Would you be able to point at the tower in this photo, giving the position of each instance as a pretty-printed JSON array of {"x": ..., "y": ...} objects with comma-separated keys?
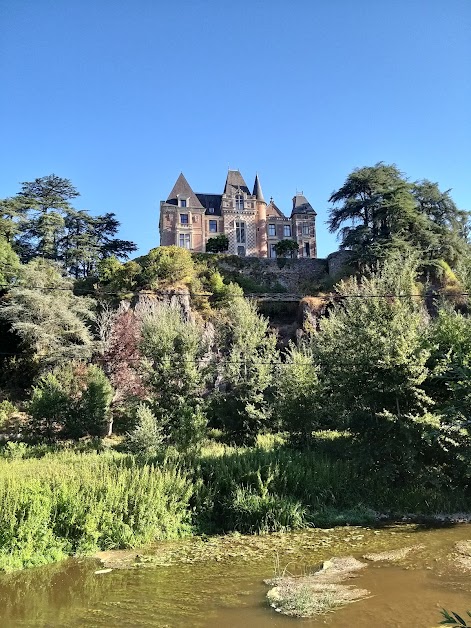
[{"x": 261, "y": 219}]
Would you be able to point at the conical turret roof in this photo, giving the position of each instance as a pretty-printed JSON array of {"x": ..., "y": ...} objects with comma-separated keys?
[{"x": 257, "y": 190}]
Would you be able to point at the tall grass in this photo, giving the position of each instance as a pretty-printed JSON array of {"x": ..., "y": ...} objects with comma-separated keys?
[
  {"x": 77, "y": 503},
  {"x": 65, "y": 502}
]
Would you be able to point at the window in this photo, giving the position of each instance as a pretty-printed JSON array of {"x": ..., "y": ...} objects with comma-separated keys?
[
  {"x": 183, "y": 219},
  {"x": 183, "y": 202},
  {"x": 307, "y": 250},
  {"x": 241, "y": 251},
  {"x": 272, "y": 230},
  {"x": 213, "y": 226},
  {"x": 272, "y": 250},
  {"x": 239, "y": 202},
  {"x": 184, "y": 240},
  {"x": 305, "y": 229},
  {"x": 211, "y": 210},
  {"x": 240, "y": 232},
  {"x": 286, "y": 231}
]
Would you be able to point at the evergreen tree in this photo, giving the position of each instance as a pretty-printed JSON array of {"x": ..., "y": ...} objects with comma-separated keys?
[
  {"x": 42, "y": 310},
  {"x": 378, "y": 211},
  {"x": 245, "y": 369},
  {"x": 175, "y": 349}
]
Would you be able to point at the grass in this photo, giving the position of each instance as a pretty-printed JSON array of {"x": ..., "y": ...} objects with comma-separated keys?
[
  {"x": 55, "y": 502},
  {"x": 67, "y": 503}
]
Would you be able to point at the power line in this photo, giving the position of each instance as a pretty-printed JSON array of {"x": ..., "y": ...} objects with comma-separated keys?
[{"x": 251, "y": 295}]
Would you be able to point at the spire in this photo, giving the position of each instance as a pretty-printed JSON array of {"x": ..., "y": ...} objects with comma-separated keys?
[
  {"x": 257, "y": 190},
  {"x": 182, "y": 188}
]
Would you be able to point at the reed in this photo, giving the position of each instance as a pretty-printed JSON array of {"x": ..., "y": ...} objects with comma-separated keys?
[{"x": 77, "y": 503}]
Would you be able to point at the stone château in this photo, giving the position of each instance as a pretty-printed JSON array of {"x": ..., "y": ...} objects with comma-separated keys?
[{"x": 252, "y": 226}]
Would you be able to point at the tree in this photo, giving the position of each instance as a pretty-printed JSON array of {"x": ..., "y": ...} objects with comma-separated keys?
[
  {"x": 379, "y": 205},
  {"x": 299, "y": 397},
  {"x": 166, "y": 265},
  {"x": 47, "y": 201},
  {"x": 244, "y": 372},
  {"x": 372, "y": 355},
  {"x": 286, "y": 248},
  {"x": 41, "y": 222},
  {"x": 218, "y": 244},
  {"x": 70, "y": 402},
  {"x": 175, "y": 370},
  {"x": 9, "y": 264},
  {"x": 378, "y": 211},
  {"x": 42, "y": 310},
  {"x": 448, "y": 225},
  {"x": 12, "y": 216},
  {"x": 88, "y": 240}
]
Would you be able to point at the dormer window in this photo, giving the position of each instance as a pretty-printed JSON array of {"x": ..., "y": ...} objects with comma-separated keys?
[
  {"x": 211, "y": 210},
  {"x": 183, "y": 202},
  {"x": 239, "y": 202}
]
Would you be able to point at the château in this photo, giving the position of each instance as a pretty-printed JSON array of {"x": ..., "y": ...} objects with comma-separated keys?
[{"x": 252, "y": 226}]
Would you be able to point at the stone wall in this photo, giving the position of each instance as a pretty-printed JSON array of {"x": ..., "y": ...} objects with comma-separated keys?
[{"x": 298, "y": 276}]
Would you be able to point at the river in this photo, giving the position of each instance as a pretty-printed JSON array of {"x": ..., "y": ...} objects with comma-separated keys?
[{"x": 218, "y": 582}]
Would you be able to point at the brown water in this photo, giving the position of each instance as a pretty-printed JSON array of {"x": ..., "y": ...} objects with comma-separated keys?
[{"x": 224, "y": 587}]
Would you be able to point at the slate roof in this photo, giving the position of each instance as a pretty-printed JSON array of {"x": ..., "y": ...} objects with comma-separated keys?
[
  {"x": 302, "y": 206},
  {"x": 257, "y": 190},
  {"x": 235, "y": 183},
  {"x": 183, "y": 188},
  {"x": 210, "y": 200}
]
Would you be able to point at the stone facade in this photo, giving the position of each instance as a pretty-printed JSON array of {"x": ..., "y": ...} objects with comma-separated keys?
[{"x": 253, "y": 227}]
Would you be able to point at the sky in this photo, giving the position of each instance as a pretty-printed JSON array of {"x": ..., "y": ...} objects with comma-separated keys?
[{"x": 120, "y": 97}]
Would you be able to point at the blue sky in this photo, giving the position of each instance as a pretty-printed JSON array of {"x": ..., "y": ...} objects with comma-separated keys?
[{"x": 121, "y": 96}]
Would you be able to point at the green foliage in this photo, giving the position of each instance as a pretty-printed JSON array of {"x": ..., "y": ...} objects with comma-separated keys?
[
  {"x": 175, "y": 370},
  {"x": 147, "y": 437},
  {"x": 52, "y": 323},
  {"x": 245, "y": 374},
  {"x": 71, "y": 402},
  {"x": 9, "y": 264},
  {"x": 7, "y": 410},
  {"x": 81, "y": 503},
  {"x": 377, "y": 210},
  {"x": 218, "y": 244},
  {"x": 299, "y": 407},
  {"x": 286, "y": 248},
  {"x": 119, "y": 277},
  {"x": 166, "y": 265},
  {"x": 223, "y": 294},
  {"x": 453, "y": 619}
]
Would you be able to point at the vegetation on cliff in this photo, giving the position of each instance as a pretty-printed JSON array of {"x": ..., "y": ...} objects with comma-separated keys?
[{"x": 366, "y": 409}]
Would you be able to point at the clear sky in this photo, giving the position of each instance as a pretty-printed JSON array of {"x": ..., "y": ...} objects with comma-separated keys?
[{"x": 119, "y": 96}]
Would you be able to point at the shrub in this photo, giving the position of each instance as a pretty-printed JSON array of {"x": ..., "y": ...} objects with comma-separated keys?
[
  {"x": 166, "y": 265},
  {"x": 71, "y": 402},
  {"x": 7, "y": 410},
  {"x": 148, "y": 435}
]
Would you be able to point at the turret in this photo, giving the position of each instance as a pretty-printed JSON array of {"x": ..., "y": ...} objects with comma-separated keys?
[{"x": 261, "y": 207}]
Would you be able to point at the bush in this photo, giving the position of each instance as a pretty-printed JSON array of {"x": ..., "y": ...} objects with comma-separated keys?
[
  {"x": 166, "y": 265},
  {"x": 71, "y": 402},
  {"x": 7, "y": 410},
  {"x": 82, "y": 503},
  {"x": 148, "y": 435}
]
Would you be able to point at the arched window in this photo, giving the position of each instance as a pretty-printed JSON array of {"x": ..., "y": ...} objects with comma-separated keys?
[{"x": 239, "y": 202}]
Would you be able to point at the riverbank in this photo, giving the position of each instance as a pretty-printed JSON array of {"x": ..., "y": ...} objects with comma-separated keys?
[{"x": 58, "y": 503}]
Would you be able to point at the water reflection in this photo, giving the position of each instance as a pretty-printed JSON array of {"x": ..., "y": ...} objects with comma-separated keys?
[{"x": 231, "y": 592}]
